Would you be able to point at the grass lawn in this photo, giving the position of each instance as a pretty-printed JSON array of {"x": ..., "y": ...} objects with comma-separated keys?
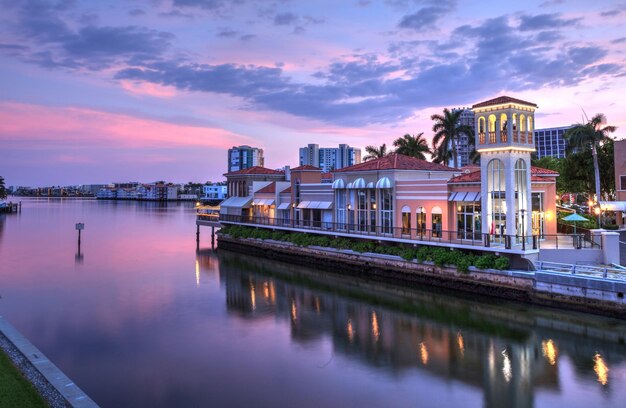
[{"x": 15, "y": 390}]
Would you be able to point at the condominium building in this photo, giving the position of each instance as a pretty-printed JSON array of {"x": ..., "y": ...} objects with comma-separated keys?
[
  {"x": 550, "y": 142},
  {"x": 329, "y": 158},
  {"x": 463, "y": 146},
  {"x": 244, "y": 157}
]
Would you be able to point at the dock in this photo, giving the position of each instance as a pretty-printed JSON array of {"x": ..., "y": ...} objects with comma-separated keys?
[
  {"x": 207, "y": 216},
  {"x": 9, "y": 208}
]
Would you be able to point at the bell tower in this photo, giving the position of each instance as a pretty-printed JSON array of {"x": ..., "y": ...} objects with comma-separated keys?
[{"x": 504, "y": 138}]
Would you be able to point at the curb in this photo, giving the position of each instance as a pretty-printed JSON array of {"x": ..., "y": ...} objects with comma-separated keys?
[{"x": 70, "y": 392}]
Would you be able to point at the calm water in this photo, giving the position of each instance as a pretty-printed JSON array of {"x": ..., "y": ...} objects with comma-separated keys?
[{"x": 141, "y": 318}]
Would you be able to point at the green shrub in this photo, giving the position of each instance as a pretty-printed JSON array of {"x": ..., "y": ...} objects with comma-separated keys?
[
  {"x": 424, "y": 253},
  {"x": 408, "y": 254},
  {"x": 610, "y": 226},
  {"x": 485, "y": 262},
  {"x": 502, "y": 263},
  {"x": 363, "y": 246},
  {"x": 463, "y": 263}
]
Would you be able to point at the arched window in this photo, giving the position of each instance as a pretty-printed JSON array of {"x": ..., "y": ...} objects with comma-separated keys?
[
  {"x": 482, "y": 128},
  {"x": 421, "y": 220},
  {"x": 386, "y": 210},
  {"x": 530, "y": 129},
  {"x": 496, "y": 199},
  {"x": 521, "y": 192},
  {"x": 437, "y": 221},
  {"x": 406, "y": 220},
  {"x": 492, "y": 128},
  {"x": 504, "y": 127}
]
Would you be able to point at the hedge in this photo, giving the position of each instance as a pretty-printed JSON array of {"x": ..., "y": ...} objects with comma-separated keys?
[{"x": 440, "y": 256}]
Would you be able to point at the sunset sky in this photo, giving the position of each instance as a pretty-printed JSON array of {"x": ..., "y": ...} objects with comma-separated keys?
[{"x": 145, "y": 90}]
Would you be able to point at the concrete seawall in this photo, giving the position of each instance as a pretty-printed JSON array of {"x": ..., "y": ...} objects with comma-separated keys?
[{"x": 557, "y": 290}]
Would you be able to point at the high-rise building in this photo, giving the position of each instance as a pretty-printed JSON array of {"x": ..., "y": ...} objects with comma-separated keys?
[
  {"x": 550, "y": 142},
  {"x": 243, "y": 157},
  {"x": 463, "y": 146},
  {"x": 329, "y": 158}
]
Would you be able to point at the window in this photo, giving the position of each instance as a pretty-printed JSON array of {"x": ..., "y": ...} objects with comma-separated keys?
[
  {"x": 468, "y": 220},
  {"x": 340, "y": 204},
  {"x": 622, "y": 181},
  {"x": 496, "y": 199},
  {"x": 437, "y": 220},
  {"x": 406, "y": 220},
  {"x": 521, "y": 190},
  {"x": 386, "y": 210}
]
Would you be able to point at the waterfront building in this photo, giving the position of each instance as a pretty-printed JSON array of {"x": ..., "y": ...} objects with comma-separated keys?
[
  {"x": 329, "y": 158},
  {"x": 502, "y": 203},
  {"x": 244, "y": 157},
  {"x": 215, "y": 192},
  {"x": 242, "y": 184},
  {"x": 550, "y": 142},
  {"x": 619, "y": 205}
]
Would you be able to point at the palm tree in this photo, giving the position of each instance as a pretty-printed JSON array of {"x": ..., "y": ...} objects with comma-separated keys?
[
  {"x": 414, "y": 146},
  {"x": 3, "y": 190},
  {"x": 590, "y": 135},
  {"x": 374, "y": 152},
  {"x": 448, "y": 131}
]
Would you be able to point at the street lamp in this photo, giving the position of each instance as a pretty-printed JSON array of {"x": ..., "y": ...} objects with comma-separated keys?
[
  {"x": 523, "y": 211},
  {"x": 598, "y": 211}
]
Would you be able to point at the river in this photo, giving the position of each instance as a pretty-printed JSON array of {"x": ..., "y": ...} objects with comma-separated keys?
[{"x": 141, "y": 318}]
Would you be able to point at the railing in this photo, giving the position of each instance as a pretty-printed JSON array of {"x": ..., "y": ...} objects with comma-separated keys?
[
  {"x": 606, "y": 272},
  {"x": 481, "y": 138},
  {"x": 576, "y": 241},
  {"x": 416, "y": 234}
]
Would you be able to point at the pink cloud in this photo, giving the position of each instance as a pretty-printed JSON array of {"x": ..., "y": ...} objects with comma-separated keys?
[
  {"x": 148, "y": 89},
  {"x": 41, "y": 126}
]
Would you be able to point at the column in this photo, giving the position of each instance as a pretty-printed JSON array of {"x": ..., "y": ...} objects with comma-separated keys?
[{"x": 509, "y": 175}]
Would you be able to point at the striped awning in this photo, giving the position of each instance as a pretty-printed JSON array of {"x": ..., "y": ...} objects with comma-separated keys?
[
  {"x": 263, "y": 201},
  {"x": 339, "y": 183},
  {"x": 383, "y": 182},
  {"x": 283, "y": 206},
  {"x": 358, "y": 183},
  {"x": 236, "y": 202},
  {"x": 464, "y": 196},
  {"x": 316, "y": 205}
]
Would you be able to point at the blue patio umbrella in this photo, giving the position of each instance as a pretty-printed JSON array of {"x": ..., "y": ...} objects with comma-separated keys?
[{"x": 574, "y": 218}]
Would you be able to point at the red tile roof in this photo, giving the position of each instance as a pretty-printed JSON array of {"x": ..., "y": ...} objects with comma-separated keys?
[
  {"x": 502, "y": 99},
  {"x": 255, "y": 170},
  {"x": 395, "y": 161},
  {"x": 306, "y": 167},
  {"x": 541, "y": 170},
  {"x": 270, "y": 188},
  {"x": 474, "y": 176}
]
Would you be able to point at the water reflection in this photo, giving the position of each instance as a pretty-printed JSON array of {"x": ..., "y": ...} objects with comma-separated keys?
[{"x": 510, "y": 355}]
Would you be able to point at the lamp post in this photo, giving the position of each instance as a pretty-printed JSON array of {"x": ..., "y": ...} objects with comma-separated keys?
[
  {"x": 523, "y": 212},
  {"x": 598, "y": 211}
]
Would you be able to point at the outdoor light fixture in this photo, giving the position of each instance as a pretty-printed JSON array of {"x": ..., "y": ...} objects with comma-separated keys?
[
  {"x": 349, "y": 207},
  {"x": 597, "y": 210},
  {"x": 549, "y": 215},
  {"x": 374, "y": 206}
]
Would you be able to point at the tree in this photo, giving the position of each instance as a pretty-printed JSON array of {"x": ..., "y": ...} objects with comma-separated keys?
[
  {"x": 590, "y": 136},
  {"x": 374, "y": 152},
  {"x": 448, "y": 131},
  {"x": 563, "y": 184},
  {"x": 577, "y": 174},
  {"x": 414, "y": 146},
  {"x": 3, "y": 190}
]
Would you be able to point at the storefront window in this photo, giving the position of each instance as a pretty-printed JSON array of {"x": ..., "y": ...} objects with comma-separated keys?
[
  {"x": 468, "y": 220},
  {"x": 386, "y": 211},
  {"x": 406, "y": 220},
  {"x": 437, "y": 220}
]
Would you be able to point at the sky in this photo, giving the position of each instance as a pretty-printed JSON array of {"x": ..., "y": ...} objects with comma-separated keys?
[{"x": 145, "y": 90}]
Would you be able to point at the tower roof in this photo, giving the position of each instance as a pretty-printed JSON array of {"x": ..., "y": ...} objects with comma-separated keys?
[
  {"x": 395, "y": 161},
  {"x": 502, "y": 100}
]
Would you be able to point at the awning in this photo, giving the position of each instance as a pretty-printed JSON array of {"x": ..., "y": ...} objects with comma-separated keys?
[
  {"x": 384, "y": 182},
  {"x": 358, "y": 183},
  {"x": 464, "y": 196},
  {"x": 283, "y": 206},
  {"x": 263, "y": 201},
  {"x": 339, "y": 183},
  {"x": 613, "y": 205},
  {"x": 316, "y": 205},
  {"x": 236, "y": 202}
]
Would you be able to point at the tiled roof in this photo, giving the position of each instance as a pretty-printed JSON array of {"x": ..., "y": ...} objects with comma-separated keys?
[
  {"x": 270, "y": 188},
  {"x": 502, "y": 99},
  {"x": 255, "y": 170},
  {"x": 541, "y": 170},
  {"x": 474, "y": 176},
  {"x": 306, "y": 167},
  {"x": 326, "y": 176},
  {"x": 396, "y": 161}
]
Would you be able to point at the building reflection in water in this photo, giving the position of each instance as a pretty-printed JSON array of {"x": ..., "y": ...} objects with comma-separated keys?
[
  {"x": 509, "y": 359},
  {"x": 207, "y": 265}
]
